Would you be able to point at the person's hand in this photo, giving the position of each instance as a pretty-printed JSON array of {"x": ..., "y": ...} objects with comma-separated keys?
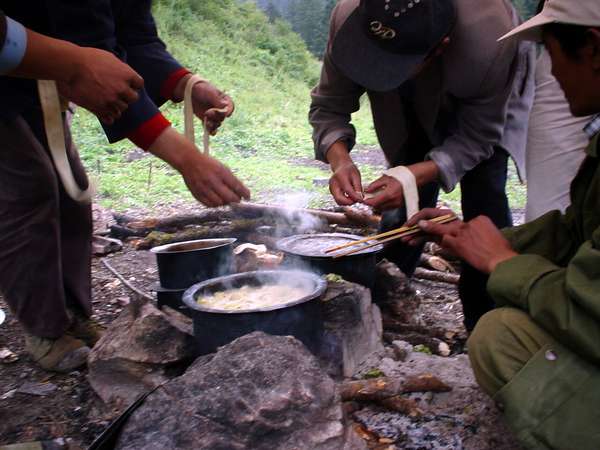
[
  {"x": 345, "y": 185},
  {"x": 211, "y": 183},
  {"x": 478, "y": 242},
  {"x": 211, "y": 105},
  {"x": 387, "y": 194},
  {"x": 428, "y": 214},
  {"x": 101, "y": 83}
]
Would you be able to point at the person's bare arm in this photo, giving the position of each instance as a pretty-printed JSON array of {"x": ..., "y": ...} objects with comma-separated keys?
[{"x": 209, "y": 181}]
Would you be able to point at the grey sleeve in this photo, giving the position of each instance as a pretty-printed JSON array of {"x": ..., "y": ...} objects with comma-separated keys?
[
  {"x": 478, "y": 124},
  {"x": 333, "y": 101},
  {"x": 480, "y": 94}
]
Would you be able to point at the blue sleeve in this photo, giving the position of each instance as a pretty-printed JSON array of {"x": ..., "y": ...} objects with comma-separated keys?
[
  {"x": 146, "y": 53},
  {"x": 12, "y": 46}
]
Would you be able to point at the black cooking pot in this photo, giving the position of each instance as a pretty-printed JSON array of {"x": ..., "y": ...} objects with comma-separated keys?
[
  {"x": 307, "y": 251},
  {"x": 300, "y": 318},
  {"x": 173, "y": 298},
  {"x": 184, "y": 263}
]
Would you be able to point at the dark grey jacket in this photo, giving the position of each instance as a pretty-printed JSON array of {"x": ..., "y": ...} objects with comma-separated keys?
[{"x": 461, "y": 100}]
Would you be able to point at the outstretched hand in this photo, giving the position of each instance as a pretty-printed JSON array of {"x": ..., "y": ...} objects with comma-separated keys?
[{"x": 478, "y": 242}]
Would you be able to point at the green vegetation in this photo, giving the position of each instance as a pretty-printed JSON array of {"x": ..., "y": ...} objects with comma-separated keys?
[{"x": 269, "y": 72}]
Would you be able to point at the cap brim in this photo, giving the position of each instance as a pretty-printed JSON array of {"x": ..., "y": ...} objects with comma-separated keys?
[
  {"x": 530, "y": 30},
  {"x": 367, "y": 64}
]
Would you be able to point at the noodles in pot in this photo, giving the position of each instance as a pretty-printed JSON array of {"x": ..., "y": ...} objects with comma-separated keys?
[{"x": 253, "y": 297}]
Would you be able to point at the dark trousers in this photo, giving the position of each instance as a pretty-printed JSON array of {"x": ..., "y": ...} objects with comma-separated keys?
[
  {"x": 483, "y": 192},
  {"x": 45, "y": 236}
]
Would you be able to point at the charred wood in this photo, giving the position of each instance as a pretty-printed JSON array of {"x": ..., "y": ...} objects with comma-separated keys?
[
  {"x": 437, "y": 346},
  {"x": 431, "y": 275},
  {"x": 377, "y": 389}
]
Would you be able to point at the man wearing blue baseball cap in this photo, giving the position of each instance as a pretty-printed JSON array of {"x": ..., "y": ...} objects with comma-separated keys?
[{"x": 538, "y": 353}]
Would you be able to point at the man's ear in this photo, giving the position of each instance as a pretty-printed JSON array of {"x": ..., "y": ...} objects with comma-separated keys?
[{"x": 593, "y": 50}]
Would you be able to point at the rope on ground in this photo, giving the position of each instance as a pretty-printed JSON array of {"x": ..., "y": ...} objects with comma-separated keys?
[{"x": 126, "y": 283}]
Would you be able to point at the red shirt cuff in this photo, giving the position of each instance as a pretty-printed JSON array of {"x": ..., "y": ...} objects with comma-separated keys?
[
  {"x": 169, "y": 85},
  {"x": 145, "y": 135}
]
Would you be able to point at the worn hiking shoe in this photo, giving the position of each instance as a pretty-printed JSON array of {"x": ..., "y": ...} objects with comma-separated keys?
[
  {"x": 64, "y": 354},
  {"x": 86, "y": 329}
]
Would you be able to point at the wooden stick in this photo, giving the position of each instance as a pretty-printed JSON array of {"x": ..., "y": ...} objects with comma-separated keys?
[
  {"x": 409, "y": 232},
  {"x": 440, "y": 219}
]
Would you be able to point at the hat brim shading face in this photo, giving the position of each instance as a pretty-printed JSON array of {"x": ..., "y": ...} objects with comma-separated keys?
[
  {"x": 360, "y": 58},
  {"x": 530, "y": 30}
]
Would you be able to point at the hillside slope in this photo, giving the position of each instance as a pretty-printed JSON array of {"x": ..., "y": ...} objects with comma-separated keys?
[{"x": 267, "y": 70}]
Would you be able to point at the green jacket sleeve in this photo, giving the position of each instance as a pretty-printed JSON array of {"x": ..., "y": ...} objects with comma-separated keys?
[
  {"x": 563, "y": 300},
  {"x": 550, "y": 236}
]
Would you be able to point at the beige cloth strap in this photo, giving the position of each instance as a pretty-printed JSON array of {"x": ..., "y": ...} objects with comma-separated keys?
[
  {"x": 409, "y": 186},
  {"x": 188, "y": 114},
  {"x": 55, "y": 134}
]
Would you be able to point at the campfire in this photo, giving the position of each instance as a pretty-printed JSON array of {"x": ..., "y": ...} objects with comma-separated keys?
[{"x": 353, "y": 316}]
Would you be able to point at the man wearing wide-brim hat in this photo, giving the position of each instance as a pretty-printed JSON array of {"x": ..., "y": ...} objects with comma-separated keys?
[
  {"x": 442, "y": 91},
  {"x": 538, "y": 354}
]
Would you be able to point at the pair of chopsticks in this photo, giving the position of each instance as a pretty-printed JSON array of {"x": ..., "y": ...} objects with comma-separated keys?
[{"x": 386, "y": 237}]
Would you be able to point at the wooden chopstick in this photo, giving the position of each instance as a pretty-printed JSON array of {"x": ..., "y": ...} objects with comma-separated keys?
[
  {"x": 409, "y": 232},
  {"x": 439, "y": 219}
]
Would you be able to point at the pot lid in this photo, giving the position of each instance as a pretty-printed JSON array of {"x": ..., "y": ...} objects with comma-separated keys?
[{"x": 315, "y": 245}]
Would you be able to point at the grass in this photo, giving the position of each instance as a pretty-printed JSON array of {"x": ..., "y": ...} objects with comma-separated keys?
[{"x": 269, "y": 73}]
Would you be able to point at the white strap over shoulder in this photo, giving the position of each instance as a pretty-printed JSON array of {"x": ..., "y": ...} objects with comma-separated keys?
[
  {"x": 55, "y": 134},
  {"x": 409, "y": 186}
]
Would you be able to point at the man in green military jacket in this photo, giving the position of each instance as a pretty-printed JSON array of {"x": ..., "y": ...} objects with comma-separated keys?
[{"x": 538, "y": 353}]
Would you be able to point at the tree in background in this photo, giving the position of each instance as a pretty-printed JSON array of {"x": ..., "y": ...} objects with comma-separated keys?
[
  {"x": 272, "y": 12},
  {"x": 310, "y": 18}
]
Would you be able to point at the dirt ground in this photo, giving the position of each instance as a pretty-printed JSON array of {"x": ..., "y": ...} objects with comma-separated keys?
[
  {"x": 66, "y": 405},
  {"x": 38, "y": 406}
]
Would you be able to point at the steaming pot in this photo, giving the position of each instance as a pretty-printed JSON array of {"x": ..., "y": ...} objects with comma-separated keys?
[
  {"x": 300, "y": 318},
  {"x": 307, "y": 251},
  {"x": 184, "y": 263}
]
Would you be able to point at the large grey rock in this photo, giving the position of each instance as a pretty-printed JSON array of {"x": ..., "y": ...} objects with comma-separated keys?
[
  {"x": 353, "y": 328},
  {"x": 142, "y": 348},
  {"x": 259, "y": 392}
]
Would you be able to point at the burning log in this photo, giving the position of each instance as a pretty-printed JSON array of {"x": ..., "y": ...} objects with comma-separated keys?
[
  {"x": 235, "y": 228},
  {"x": 173, "y": 222},
  {"x": 396, "y": 326},
  {"x": 402, "y": 405},
  {"x": 431, "y": 275},
  {"x": 436, "y": 346},
  {"x": 256, "y": 210},
  {"x": 378, "y": 389},
  {"x": 362, "y": 217},
  {"x": 436, "y": 263},
  {"x": 434, "y": 249}
]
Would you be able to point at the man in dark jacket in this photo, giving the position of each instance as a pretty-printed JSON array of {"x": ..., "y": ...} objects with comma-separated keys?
[{"x": 44, "y": 234}]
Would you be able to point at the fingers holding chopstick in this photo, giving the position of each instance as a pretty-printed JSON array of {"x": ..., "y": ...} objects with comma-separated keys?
[{"x": 430, "y": 228}]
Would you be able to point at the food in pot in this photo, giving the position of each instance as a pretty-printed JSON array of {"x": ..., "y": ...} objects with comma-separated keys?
[
  {"x": 253, "y": 297},
  {"x": 317, "y": 245}
]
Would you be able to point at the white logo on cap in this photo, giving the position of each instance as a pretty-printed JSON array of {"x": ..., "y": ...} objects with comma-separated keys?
[{"x": 381, "y": 31}]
